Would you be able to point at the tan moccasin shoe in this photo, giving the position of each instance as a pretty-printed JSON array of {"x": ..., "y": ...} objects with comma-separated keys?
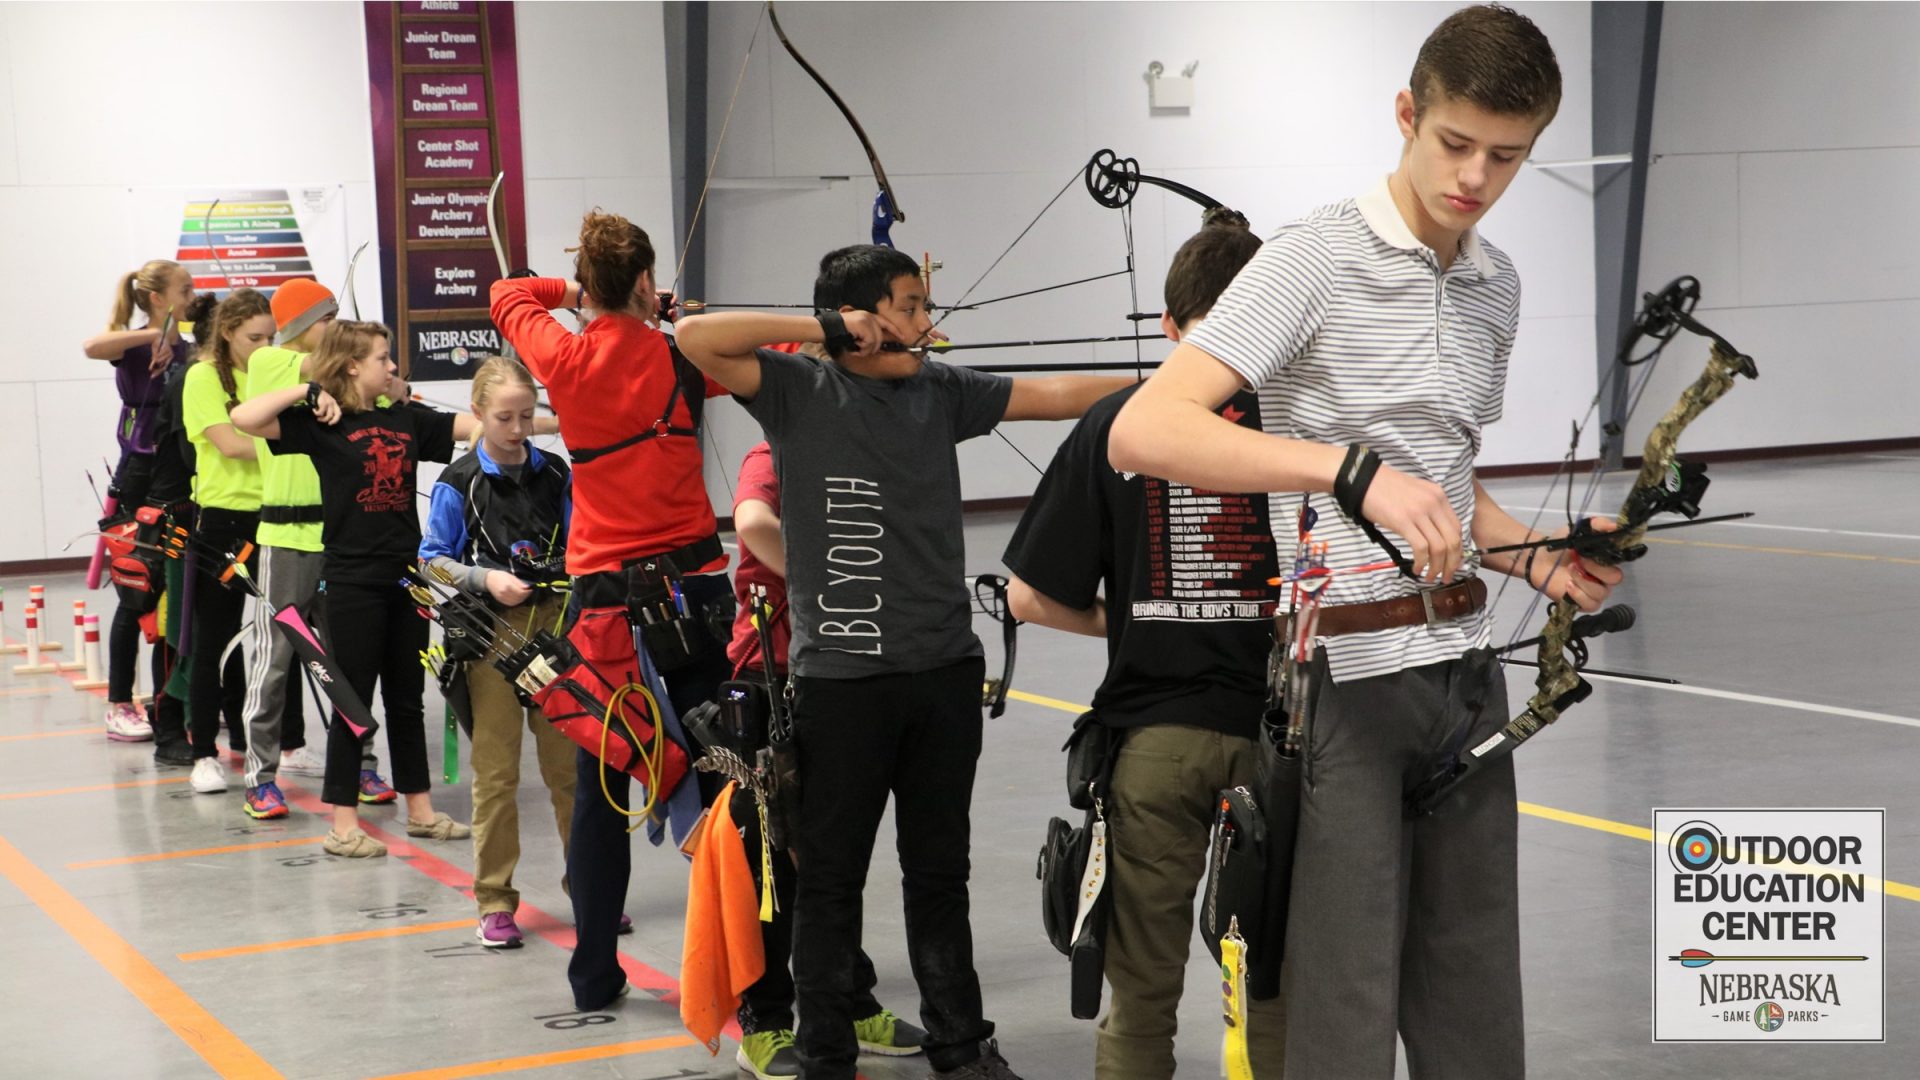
[
  {"x": 355, "y": 845},
  {"x": 441, "y": 827}
]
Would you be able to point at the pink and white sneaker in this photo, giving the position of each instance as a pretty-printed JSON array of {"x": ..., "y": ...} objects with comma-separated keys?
[
  {"x": 498, "y": 931},
  {"x": 126, "y": 724}
]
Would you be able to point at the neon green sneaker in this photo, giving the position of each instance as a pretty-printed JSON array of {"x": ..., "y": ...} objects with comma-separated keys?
[
  {"x": 769, "y": 1055},
  {"x": 888, "y": 1036}
]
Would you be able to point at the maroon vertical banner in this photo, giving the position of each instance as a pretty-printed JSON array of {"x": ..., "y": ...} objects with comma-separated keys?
[{"x": 446, "y": 121}]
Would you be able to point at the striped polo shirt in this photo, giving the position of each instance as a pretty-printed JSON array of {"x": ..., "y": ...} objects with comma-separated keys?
[{"x": 1350, "y": 332}]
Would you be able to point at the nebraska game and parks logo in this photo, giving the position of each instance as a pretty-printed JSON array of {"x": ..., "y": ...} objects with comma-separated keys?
[{"x": 1768, "y": 925}]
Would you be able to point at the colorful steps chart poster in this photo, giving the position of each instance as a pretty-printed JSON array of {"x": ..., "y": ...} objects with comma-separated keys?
[
  {"x": 266, "y": 232},
  {"x": 243, "y": 239},
  {"x": 446, "y": 121}
]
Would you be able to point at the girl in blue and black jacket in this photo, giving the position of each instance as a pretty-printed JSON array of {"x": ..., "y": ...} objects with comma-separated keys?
[{"x": 498, "y": 528}]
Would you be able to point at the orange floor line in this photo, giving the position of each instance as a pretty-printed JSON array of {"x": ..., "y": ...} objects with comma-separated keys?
[
  {"x": 92, "y": 787},
  {"x": 541, "y": 1061},
  {"x": 162, "y": 856},
  {"x": 330, "y": 939},
  {"x": 188, "y": 1019},
  {"x": 30, "y": 691},
  {"x": 53, "y": 734}
]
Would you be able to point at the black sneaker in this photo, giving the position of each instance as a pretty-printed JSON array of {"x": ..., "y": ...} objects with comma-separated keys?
[
  {"x": 988, "y": 1066},
  {"x": 173, "y": 753}
]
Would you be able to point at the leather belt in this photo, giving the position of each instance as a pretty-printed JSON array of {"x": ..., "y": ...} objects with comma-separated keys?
[{"x": 1428, "y": 607}]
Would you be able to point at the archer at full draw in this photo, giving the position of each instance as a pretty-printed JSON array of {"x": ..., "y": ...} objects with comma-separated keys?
[{"x": 1769, "y": 926}]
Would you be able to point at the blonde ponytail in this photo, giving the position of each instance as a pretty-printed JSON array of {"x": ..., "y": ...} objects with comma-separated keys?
[{"x": 150, "y": 279}]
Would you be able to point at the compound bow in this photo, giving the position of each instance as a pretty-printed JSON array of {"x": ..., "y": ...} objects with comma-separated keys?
[{"x": 1663, "y": 485}]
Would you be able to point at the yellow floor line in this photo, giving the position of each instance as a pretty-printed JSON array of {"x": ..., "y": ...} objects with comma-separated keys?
[
  {"x": 1897, "y": 560},
  {"x": 1548, "y": 813},
  {"x": 197, "y": 1027}
]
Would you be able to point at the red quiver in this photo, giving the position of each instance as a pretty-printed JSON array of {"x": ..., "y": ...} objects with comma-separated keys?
[
  {"x": 573, "y": 679},
  {"x": 134, "y": 560}
]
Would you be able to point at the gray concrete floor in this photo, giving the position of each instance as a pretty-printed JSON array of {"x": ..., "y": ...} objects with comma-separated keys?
[{"x": 101, "y": 975}]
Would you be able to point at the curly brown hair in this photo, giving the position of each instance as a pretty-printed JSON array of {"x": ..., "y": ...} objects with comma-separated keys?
[{"x": 612, "y": 254}]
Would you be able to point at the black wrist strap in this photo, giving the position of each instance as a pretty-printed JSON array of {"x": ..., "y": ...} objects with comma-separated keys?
[
  {"x": 835, "y": 328},
  {"x": 1350, "y": 494},
  {"x": 313, "y": 395}
]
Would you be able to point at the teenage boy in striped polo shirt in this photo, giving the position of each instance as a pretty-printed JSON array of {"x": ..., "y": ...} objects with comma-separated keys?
[{"x": 1377, "y": 331}]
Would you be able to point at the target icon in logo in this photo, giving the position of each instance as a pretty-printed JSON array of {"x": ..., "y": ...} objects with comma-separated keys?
[{"x": 1694, "y": 847}]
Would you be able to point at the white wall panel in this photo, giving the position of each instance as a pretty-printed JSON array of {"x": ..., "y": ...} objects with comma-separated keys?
[
  {"x": 87, "y": 111},
  {"x": 66, "y": 249},
  {"x": 1828, "y": 373},
  {"x": 1789, "y": 158},
  {"x": 1693, "y": 226},
  {"x": 1549, "y": 386},
  {"x": 9, "y": 151},
  {"x": 593, "y": 89},
  {"x": 1789, "y": 76},
  {"x": 70, "y": 419},
  {"x": 1835, "y": 225},
  {"x": 23, "y": 525}
]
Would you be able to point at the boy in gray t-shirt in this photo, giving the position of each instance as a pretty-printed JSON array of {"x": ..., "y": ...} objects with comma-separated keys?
[{"x": 887, "y": 670}]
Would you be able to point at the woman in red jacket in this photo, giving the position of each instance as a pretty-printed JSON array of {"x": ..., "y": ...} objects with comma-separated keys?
[{"x": 630, "y": 411}]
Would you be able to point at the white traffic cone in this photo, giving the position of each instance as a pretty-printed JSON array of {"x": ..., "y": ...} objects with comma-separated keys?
[
  {"x": 79, "y": 654},
  {"x": 34, "y": 665},
  {"x": 96, "y": 674},
  {"x": 37, "y": 599}
]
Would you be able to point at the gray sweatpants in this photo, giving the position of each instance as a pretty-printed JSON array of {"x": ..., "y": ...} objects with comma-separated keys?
[
  {"x": 1396, "y": 925},
  {"x": 288, "y": 577}
]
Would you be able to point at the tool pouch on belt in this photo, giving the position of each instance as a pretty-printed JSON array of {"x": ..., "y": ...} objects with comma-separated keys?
[
  {"x": 1238, "y": 865},
  {"x": 136, "y": 570},
  {"x": 676, "y": 631},
  {"x": 575, "y": 680},
  {"x": 1074, "y": 902},
  {"x": 1073, "y": 866},
  {"x": 735, "y": 721}
]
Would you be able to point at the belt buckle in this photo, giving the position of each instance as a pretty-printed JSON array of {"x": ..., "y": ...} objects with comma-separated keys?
[{"x": 1426, "y": 602}]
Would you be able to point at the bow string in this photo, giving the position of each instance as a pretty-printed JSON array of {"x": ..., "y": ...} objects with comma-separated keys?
[{"x": 1664, "y": 484}]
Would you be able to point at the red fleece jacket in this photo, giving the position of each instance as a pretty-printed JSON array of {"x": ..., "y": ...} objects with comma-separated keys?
[{"x": 609, "y": 383}]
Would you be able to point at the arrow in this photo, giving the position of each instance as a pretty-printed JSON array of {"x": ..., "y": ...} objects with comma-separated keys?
[{"x": 1699, "y": 958}]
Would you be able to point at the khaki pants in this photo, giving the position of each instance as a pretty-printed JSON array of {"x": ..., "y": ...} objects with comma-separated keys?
[
  {"x": 1166, "y": 785},
  {"x": 498, "y": 720}
]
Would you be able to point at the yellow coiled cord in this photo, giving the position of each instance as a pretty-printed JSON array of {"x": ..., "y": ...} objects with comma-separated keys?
[{"x": 654, "y": 754}]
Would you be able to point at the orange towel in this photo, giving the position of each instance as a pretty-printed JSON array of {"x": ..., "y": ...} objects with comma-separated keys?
[{"x": 722, "y": 953}]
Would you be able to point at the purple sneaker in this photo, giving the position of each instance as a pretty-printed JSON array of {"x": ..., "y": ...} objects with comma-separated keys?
[
  {"x": 626, "y": 925},
  {"x": 497, "y": 931}
]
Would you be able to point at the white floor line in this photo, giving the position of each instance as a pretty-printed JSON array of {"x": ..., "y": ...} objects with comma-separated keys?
[
  {"x": 1746, "y": 525},
  {"x": 1758, "y": 699},
  {"x": 1891, "y": 457}
]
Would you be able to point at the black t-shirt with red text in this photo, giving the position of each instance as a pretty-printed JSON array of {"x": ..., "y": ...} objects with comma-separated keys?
[
  {"x": 370, "y": 524},
  {"x": 1189, "y": 609}
]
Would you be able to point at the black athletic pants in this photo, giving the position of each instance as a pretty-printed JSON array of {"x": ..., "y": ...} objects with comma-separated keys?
[
  {"x": 131, "y": 483},
  {"x": 375, "y": 636},
  {"x": 217, "y": 612},
  {"x": 916, "y": 737},
  {"x": 600, "y": 853}
]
